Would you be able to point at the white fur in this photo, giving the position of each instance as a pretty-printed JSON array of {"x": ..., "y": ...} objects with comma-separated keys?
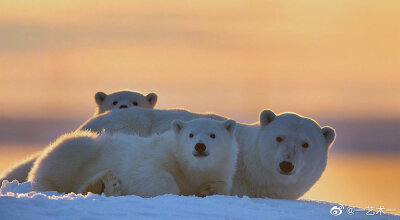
[
  {"x": 258, "y": 171},
  {"x": 123, "y": 99},
  {"x": 104, "y": 103},
  {"x": 143, "y": 122},
  {"x": 20, "y": 170},
  {"x": 259, "y": 156},
  {"x": 147, "y": 167},
  {"x": 257, "y": 174}
]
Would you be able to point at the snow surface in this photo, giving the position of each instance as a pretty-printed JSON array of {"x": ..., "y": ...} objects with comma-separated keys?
[{"x": 18, "y": 202}]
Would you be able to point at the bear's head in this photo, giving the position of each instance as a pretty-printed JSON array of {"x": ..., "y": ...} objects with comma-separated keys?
[
  {"x": 123, "y": 99},
  {"x": 292, "y": 147},
  {"x": 205, "y": 143}
]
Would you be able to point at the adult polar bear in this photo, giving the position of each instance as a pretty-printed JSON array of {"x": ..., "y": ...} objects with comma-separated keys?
[
  {"x": 282, "y": 156},
  {"x": 197, "y": 158},
  {"x": 104, "y": 102}
]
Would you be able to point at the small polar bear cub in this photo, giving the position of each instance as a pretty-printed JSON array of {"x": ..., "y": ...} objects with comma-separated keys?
[
  {"x": 196, "y": 157},
  {"x": 123, "y": 99}
]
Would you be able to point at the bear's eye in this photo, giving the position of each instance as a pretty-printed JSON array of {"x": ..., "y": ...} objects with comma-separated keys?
[
  {"x": 115, "y": 102},
  {"x": 212, "y": 136},
  {"x": 279, "y": 139},
  {"x": 305, "y": 145},
  {"x": 191, "y": 135},
  {"x": 135, "y": 103}
]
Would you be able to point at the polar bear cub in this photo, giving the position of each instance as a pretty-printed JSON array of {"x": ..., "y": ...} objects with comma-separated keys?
[
  {"x": 196, "y": 157},
  {"x": 123, "y": 99}
]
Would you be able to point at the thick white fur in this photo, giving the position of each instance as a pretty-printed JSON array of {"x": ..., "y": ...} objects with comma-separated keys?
[
  {"x": 123, "y": 99},
  {"x": 104, "y": 103},
  {"x": 257, "y": 174},
  {"x": 143, "y": 122},
  {"x": 20, "y": 170},
  {"x": 258, "y": 171},
  {"x": 132, "y": 121},
  {"x": 147, "y": 167}
]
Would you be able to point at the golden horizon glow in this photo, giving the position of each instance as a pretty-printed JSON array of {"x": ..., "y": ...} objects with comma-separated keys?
[{"x": 317, "y": 58}]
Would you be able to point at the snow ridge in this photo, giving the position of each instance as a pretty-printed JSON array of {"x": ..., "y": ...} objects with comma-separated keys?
[{"x": 17, "y": 201}]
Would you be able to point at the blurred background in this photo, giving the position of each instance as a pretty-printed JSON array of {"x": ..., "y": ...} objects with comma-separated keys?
[{"x": 335, "y": 61}]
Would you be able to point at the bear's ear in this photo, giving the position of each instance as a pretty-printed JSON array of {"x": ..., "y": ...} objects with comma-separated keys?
[
  {"x": 266, "y": 117},
  {"x": 329, "y": 134},
  {"x": 229, "y": 125},
  {"x": 152, "y": 99},
  {"x": 177, "y": 126},
  {"x": 99, "y": 98}
]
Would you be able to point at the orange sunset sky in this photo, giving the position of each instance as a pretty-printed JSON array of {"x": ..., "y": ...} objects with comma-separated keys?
[{"x": 318, "y": 58}]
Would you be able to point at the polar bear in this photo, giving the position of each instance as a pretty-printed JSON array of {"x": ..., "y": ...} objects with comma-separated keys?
[
  {"x": 281, "y": 157},
  {"x": 197, "y": 157},
  {"x": 264, "y": 169},
  {"x": 143, "y": 122},
  {"x": 117, "y": 100},
  {"x": 123, "y": 99}
]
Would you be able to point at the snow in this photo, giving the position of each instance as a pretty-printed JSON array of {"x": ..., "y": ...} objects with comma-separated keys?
[{"x": 18, "y": 202}]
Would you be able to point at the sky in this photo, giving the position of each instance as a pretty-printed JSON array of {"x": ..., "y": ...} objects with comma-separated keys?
[{"x": 322, "y": 59}]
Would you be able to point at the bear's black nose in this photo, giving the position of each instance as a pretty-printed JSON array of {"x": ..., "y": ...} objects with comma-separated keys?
[
  {"x": 200, "y": 147},
  {"x": 123, "y": 106},
  {"x": 286, "y": 167}
]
